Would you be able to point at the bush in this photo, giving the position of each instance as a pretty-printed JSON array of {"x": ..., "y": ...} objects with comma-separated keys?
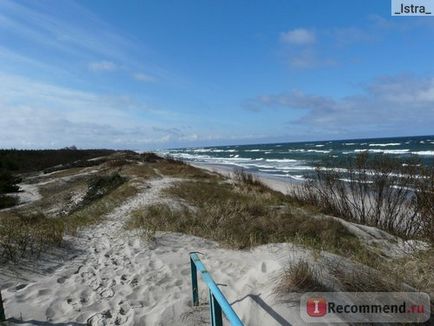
[
  {"x": 150, "y": 157},
  {"x": 101, "y": 185},
  {"x": 31, "y": 234},
  {"x": 379, "y": 191},
  {"x": 424, "y": 202},
  {"x": 8, "y": 182},
  {"x": 8, "y": 201}
]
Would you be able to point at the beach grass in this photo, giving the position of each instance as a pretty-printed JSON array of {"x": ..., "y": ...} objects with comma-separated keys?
[
  {"x": 227, "y": 213},
  {"x": 301, "y": 277}
]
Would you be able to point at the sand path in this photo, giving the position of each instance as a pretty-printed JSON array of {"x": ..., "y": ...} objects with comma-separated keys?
[{"x": 123, "y": 280}]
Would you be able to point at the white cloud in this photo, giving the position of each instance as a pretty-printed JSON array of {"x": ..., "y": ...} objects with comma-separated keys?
[
  {"x": 64, "y": 33},
  {"x": 102, "y": 66},
  {"x": 298, "y": 36},
  {"x": 36, "y": 114},
  {"x": 144, "y": 77},
  {"x": 402, "y": 104}
]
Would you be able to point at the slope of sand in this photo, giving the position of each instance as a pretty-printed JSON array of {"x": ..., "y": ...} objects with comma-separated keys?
[{"x": 120, "y": 279}]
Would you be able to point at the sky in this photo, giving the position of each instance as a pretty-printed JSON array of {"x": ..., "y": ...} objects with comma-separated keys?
[{"x": 139, "y": 74}]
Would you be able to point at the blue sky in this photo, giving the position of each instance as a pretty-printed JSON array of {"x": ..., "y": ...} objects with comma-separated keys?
[{"x": 157, "y": 74}]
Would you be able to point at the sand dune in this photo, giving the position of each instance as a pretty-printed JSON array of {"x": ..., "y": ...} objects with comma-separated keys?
[{"x": 120, "y": 279}]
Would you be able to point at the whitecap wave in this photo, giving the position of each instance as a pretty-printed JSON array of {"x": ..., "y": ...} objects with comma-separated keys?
[
  {"x": 284, "y": 160},
  {"x": 385, "y": 145},
  {"x": 424, "y": 153}
]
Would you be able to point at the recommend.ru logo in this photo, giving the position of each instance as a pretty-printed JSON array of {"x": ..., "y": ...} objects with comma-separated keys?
[{"x": 371, "y": 307}]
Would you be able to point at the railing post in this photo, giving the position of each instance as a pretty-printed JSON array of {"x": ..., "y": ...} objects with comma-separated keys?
[
  {"x": 216, "y": 312},
  {"x": 211, "y": 310},
  {"x": 2, "y": 310},
  {"x": 195, "y": 290}
]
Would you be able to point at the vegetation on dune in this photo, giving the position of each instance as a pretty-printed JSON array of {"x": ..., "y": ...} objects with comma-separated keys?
[
  {"x": 243, "y": 212},
  {"x": 14, "y": 162},
  {"x": 230, "y": 214},
  {"x": 8, "y": 184},
  {"x": 301, "y": 277},
  {"x": 95, "y": 211},
  {"x": 247, "y": 213},
  {"x": 28, "y": 234},
  {"x": 20, "y": 161},
  {"x": 8, "y": 201},
  {"x": 379, "y": 191},
  {"x": 101, "y": 185}
]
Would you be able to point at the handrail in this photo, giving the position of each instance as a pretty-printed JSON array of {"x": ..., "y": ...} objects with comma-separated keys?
[{"x": 217, "y": 300}]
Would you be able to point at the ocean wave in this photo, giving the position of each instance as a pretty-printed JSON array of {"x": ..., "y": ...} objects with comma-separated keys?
[
  {"x": 297, "y": 150},
  {"x": 261, "y": 166},
  {"x": 357, "y": 181},
  {"x": 385, "y": 145},
  {"x": 318, "y": 151},
  {"x": 284, "y": 160},
  {"x": 298, "y": 177},
  {"x": 424, "y": 153},
  {"x": 384, "y": 151},
  {"x": 253, "y": 150},
  {"x": 349, "y": 144},
  {"x": 300, "y": 167},
  {"x": 319, "y": 145},
  {"x": 202, "y": 150}
]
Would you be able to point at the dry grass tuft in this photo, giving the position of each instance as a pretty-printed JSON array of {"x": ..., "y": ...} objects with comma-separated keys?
[
  {"x": 249, "y": 182},
  {"x": 365, "y": 279},
  {"x": 170, "y": 167},
  {"x": 417, "y": 270},
  {"x": 301, "y": 277},
  {"x": 23, "y": 235},
  {"x": 94, "y": 211}
]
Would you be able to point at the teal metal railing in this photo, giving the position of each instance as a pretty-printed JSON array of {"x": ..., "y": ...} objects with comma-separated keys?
[
  {"x": 2, "y": 310},
  {"x": 217, "y": 300}
]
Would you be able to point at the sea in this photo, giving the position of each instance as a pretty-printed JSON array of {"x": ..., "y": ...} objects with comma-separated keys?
[{"x": 297, "y": 161}]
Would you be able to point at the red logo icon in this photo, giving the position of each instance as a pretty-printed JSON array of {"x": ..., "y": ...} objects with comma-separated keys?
[{"x": 316, "y": 307}]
